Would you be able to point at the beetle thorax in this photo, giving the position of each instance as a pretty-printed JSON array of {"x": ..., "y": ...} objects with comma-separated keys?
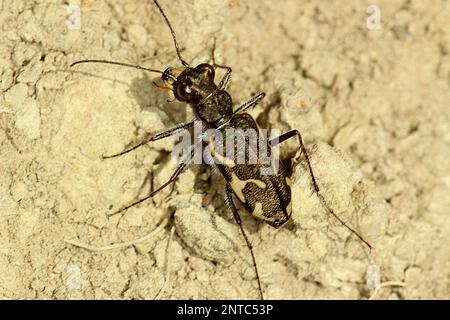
[
  {"x": 217, "y": 107},
  {"x": 196, "y": 86}
]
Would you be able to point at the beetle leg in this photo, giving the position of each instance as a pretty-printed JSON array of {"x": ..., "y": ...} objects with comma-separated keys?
[
  {"x": 289, "y": 135},
  {"x": 250, "y": 103},
  {"x": 226, "y": 78},
  {"x": 294, "y": 133},
  {"x": 232, "y": 206},
  {"x": 154, "y": 137},
  {"x": 183, "y": 164}
]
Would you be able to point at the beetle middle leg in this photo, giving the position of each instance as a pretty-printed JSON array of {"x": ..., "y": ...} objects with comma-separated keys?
[
  {"x": 154, "y": 137},
  {"x": 232, "y": 206}
]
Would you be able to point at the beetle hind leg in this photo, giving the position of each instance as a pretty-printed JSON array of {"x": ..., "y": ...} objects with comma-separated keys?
[
  {"x": 232, "y": 206},
  {"x": 290, "y": 134},
  {"x": 277, "y": 140}
]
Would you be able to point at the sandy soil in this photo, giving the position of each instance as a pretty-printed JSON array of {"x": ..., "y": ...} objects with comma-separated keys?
[{"x": 373, "y": 106}]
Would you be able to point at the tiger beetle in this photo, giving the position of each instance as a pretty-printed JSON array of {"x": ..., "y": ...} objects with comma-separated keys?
[{"x": 265, "y": 196}]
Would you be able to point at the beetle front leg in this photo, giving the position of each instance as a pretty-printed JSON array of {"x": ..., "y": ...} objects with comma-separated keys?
[
  {"x": 250, "y": 103},
  {"x": 226, "y": 78}
]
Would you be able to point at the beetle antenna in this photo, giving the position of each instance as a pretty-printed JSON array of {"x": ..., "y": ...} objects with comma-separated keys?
[
  {"x": 116, "y": 63},
  {"x": 177, "y": 48}
]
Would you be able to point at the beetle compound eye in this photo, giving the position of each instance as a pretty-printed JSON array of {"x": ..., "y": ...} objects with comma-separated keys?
[
  {"x": 184, "y": 91},
  {"x": 208, "y": 70}
]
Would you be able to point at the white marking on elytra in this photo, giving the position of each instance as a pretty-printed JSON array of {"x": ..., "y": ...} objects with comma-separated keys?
[
  {"x": 289, "y": 208},
  {"x": 289, "y": 181},
  {"x": 223, "y": 160},
  {"x": 238, "y": 185},
  {"x": 258, "y": 213}
]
